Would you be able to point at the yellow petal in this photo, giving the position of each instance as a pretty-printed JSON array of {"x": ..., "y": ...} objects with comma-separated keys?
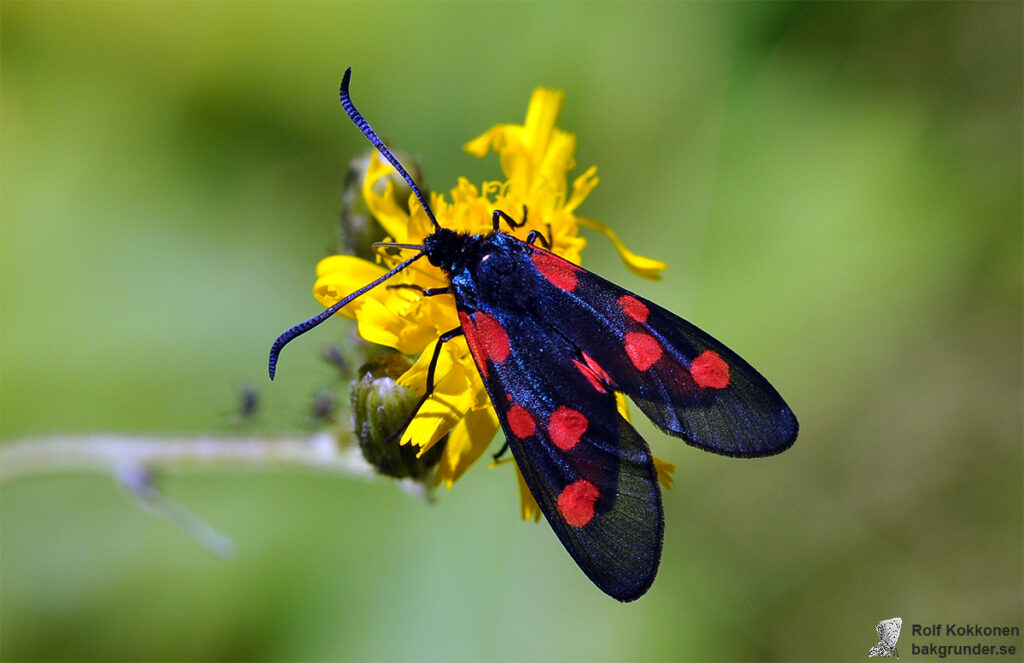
[
  {"x": 541, "y": 116},
  {"x": 438, "y": 414},
  {"x": 381, "y": 324},
  {"x": 467, "y": 442},
  {"x": 581, "y": 188},
  {"x": 340, "y": 276},
  {"x": 664, "y": 470},
  {"x": 437, "y": 313},
  {"x": 451, "y": 354},
  {"x": 529, "y": 510},
  {"x": 420, "y": 224},
  {"x": 385, "y": 208},
  {"x": 453, "y": 396},
  {"x": 523, "y": 149},
  {"x": 478, "y": 146},
  {"x": 622, "y": 405},
  {"x": 517, "y": 163},
  {"x": 646, "y": 267},
  {"x": 554, "y": 164},
  {"x": 359, "y": 271}
]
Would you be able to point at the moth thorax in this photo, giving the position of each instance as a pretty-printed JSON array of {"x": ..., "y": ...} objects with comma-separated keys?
[{"x": 500, "y": 271}]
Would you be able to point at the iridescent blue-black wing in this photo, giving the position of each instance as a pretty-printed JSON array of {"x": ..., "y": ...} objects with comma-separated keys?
[{"x": 553, "y": 344}]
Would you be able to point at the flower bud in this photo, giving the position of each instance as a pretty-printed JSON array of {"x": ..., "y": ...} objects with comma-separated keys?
[{"x": 381, "y": 409}]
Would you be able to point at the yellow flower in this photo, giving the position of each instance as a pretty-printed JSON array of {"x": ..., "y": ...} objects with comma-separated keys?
[{"x": 536, "y": 158}]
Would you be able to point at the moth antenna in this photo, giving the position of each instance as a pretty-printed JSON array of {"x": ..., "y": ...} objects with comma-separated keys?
[
  {"x": 371, "y": 135},
  {"x": 303, "y": 327}
]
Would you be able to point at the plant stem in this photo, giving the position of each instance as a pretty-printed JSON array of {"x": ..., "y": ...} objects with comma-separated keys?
[{"x": 322, "y": 452}]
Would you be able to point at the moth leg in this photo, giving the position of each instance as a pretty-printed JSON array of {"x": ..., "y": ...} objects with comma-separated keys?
[
  {"x": 534, "y": 236},
  {"x": 501, "y": 452},
  {"x": 498, "y": 215},
  {"x": 441, "y": 340}
]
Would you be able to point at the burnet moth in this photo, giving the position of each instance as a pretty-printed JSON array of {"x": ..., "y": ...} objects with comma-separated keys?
[{"x": 553, "y": 344}]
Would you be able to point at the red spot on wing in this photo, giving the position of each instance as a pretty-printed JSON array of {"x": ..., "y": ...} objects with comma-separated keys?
[
  {"x": 634, "y": 308},
  {"x": 561, "y": 273},
  {"x": 643, "y": 350},
  {"x": 493, "y": 337},
  {"x": 521, "y": 422},
  {"x": 566, "y": 427},
  {"x": 576, "y": 502},
  {"x": 710, "y": 370},
  {"x": 594, "y": 373},
  {"x": 469, "y": 331}
]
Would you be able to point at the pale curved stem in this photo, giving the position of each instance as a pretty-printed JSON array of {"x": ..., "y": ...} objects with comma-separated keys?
[{"x": 323, "y": 452}]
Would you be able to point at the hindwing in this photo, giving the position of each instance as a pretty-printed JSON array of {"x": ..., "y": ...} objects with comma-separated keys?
[{"x": 589, "y": 470}]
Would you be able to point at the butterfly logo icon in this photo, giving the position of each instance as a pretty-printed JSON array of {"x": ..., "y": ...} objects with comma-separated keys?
[{"x": 888, "y": 633}]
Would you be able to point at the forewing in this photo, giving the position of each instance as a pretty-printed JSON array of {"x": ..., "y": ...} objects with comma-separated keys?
[
  {"x": 589, "y": 470},
  {"x": 688, "y": 383}
]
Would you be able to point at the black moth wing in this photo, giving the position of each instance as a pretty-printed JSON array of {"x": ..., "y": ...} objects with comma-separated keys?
[
  {"x": 591, "y": 473},
  {"x": 691, "y": 385}
]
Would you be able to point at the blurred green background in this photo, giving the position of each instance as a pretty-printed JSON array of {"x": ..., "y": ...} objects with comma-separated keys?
[{"x": 837, "y": 189}]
